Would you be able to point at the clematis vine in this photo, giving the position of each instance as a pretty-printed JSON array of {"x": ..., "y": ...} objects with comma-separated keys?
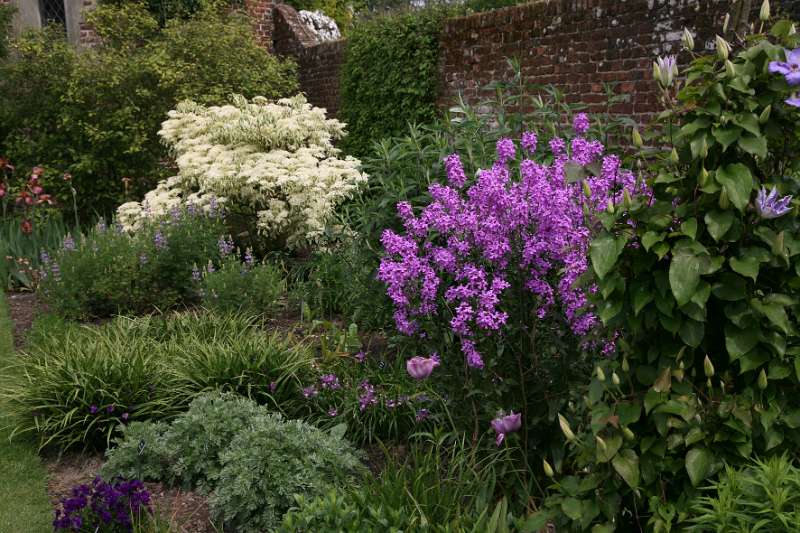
[
  {"x": 421, "y": 367},
  {"x": 769, "y": 206},
  {"x": 503, "y": 425},
  {"x": 665, "y": 70}
]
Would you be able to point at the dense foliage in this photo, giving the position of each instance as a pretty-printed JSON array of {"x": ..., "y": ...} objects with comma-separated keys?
[
  {"x": 389, "y": 76},
  {"x": 61, "y": 109},
  {"x": 246, "y": 286},
  {"x": 252, "y": 460},
  {"x": 701, "y": 278},
  {"x": 273, "y": 166},
  {"x": 108, "y": 271}
]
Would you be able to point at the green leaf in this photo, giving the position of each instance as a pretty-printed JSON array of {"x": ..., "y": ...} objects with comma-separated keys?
[
  {"x": 746, "y": 266},
  {"x": 740, "y": 341},
  {"x": 626, "y": 463},
  {"x": 775, "y": 313},
  {"x": 749, "y": 122},
  {"x": 718, "y": 223},
  {"x": 692, "y": 332},
  {"x": 689, "y": 228},
  {"x": 737, "y": 181},
  {"x": 756, "y": 146},
  {"x": 730, "y": 288},
  {"x": 684, "y": 275},
  {"x": 650, "y": 238},
  {"x": 613, "y": 445},
  {"x": 641, "y": 296},
  {"x": 726, "y": 136},
  {"x": 699, "y": 464},
  {"x": 571, "y": 508},
  {"x": 604, "y": 252}
]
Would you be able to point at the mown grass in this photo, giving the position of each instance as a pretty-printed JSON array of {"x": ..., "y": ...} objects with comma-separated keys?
[{"x": 24, "y": 507}]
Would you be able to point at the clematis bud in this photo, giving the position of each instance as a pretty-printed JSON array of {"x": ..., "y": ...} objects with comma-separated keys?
[
  {"x": 615, "y": 379},
  {"x": 724, "y": 202},
  {"x": 723, "y": 48},
  {"x": 548, "y": 470},
  {"x": 729, "y": 69},
  {"x": 764, "y": 14},
  {"x": 688, "y": 40},
  {"x": 626, "y": 199},
  {"x": 725, "y": 22},
  {"x": 708, "y": 367},
  {"x": 601, "y": 443},
  {"x": 703, "y": 176},
  {"x": 625, "y": 365},
  {"x": 628, "y": 434},
  {"x": 600, "y": 374},
  {"x": 673, "y": 156},
  {"x": 637, "y": 138},
  {"x": 587, "y": 191},
  {"x": 792, "y": 30},
  {"x": 610, "y": 206},
  {"x": 762, "y": 380},
  {"x": 709, "y": 384},
  {"x": 764, "y": 117},
  {"x": 565, "y": 429}
]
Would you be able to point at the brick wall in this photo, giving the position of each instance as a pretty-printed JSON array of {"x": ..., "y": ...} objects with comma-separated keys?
[
  {"x": 87, "y": 36},
  {"x": 576, "y": 45},
  {"x": 319, "y": 67},
  {"x": 260, "y": 12},
  {"x": 290, "y": 36}
]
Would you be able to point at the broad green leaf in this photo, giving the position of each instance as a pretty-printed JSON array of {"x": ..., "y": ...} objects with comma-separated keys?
[
  {"x": 699, "y": 464},
  {"x": 641, "y": 297},
  {"x": 775, "y": 313},
  {"x": 726, "y": 136},
  {"x": 731, "y": 287},
  {"x": 684, "y": 275},
  {"x": 626, "y": 463},
  {"x": 572, "y": 508},
  {"x": 752, "y": 360},
  {"x": 613, "y": 445},
  {"x": 737, "y": 181},
  {"x": 749, "y": 122},
  {"x": 740, "y": 341},
  {"x": 753, "y": 145},
  {"x": 718, "y": 223},
  {"x": 692, "y": 332},
  {"x": 746, "y": 266},
  {"x": 650, "y": 238},
  {"x": 604, "y": 252},
  {"x": 689, "y": 228}
]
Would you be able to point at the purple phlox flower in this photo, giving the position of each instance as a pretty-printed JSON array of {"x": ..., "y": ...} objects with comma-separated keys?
[
  {"x": 333, "y": 412},
  {"x": 69, "y": 243},
  {"x": 175, "y": 214},
  {"x": 310, "y": 391},
  {"x": 455, "y": 171},
  {"x": 330, "y": 381},
  {"x": 225, "y": 245},
  {"x": 790, "y": 69},
  {"x": 768, "y": 205},
  {"x": 503, "y": 425},
  {"x": 93, "y": 409},
  {"x": 529, "y": 141},
  {"x": 422, "y": 414},
  {"x": 159, "y": 240},
  {"x": 421, "y": 367},
  {"x": 580, "y": 123},
  {"x": 506, "y": 151}
]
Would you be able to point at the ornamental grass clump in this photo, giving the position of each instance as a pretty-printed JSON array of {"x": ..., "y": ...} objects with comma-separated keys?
[
  {"x": 491, "y": 267},
  {"x": 273, "y": 164}
]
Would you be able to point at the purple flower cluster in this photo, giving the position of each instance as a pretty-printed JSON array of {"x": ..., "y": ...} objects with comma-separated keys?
[
  {"x": 69, "y": 243},
  {"x": 159, "y": 240},
  {"x": 330, "y": 381},
  {"x": 102, "y": 506},
  {"x": 459, "y": 256},
  {"x": 225, "y": 245},
  {"x": 368, "y": 397}
]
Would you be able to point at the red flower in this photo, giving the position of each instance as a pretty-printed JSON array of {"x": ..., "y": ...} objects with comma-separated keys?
[
  {"x": 36, "y": 172},
  {"x": 26, "y": 226}
]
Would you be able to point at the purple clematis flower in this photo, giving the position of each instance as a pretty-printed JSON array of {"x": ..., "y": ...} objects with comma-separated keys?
[
  {"x": 793, "y": 101},
  {"x": 770, "y": 206},
  {"x": 421, "y": 367},
  {"x": 790, "y": 69},
  {"x": 503, "y": 425}
]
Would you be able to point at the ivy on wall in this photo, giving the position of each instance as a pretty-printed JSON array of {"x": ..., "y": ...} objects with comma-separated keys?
[{"x": 389, "y": 77}]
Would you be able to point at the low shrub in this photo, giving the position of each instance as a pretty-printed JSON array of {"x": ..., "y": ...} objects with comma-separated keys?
[
  {"x": 74, "y": 386},
  {"x": 242, "y": 286},
  {"x": 108, "y": 271},
  {"x": 251, "y": 460},
  {"x": 20, "y": 251},
  {"x": 762, "y": 496}
]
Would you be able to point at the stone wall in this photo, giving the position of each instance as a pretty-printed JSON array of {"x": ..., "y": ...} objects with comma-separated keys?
[
  {"x": 319, "y": 68},
  {"x": 577, "y": 45}
]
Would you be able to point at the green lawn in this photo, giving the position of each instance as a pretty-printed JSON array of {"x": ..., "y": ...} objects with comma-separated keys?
[{"x": 24, "y": 507}]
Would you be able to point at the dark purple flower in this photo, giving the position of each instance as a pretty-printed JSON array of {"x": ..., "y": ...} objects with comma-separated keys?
[
  {"x": 330, "y": 381},
  {"x": 503, "y": 425},
  {"x": 422, "y": 414},
  {"x": 110, "y": 408},
  {"x": 768, "y": 205},
  {"x": 361, "y": 356},
  {"x": 273, "y": 386},
  {"x": 368, "y": 397},
  {"x": 196, "y": 274},
  {"x": 310, "y": 391},
  {"x": 125, "y": 417},
  {"x": 69, "y": 243},
  {"x": 790, "y": 69},
  {"x": 159, "y": 240},
  {"x": 225, "y": 245},
  {"x": 333, "y": 412},
  {"x": 93, "y": 409}
]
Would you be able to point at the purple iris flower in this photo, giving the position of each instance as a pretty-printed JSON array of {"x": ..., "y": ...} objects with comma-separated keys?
[
  {"x": 361, "y": 356},
  {"x": 768, "y": 205},
  {"x": 330, "y": 381},
  {"x": 421, "y": 367},
  {"x": 333, "y": 412},
  {"x": 503, "y": 425},
  {"x": 310, "y": 392},
  {"x": 422, "y": 414},
  {"x": 790, "y": 69}
]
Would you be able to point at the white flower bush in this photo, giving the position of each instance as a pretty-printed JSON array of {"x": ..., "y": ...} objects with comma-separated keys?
[{"x": 274, "y": 161}]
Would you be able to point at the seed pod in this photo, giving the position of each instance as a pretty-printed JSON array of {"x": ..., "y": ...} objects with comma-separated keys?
[
  {"x": 610, "y": 206},
  {"x": 587, "y": 191},
  {"x": 548, "y": 470},
  {"x": 762, "y": 380},
  {"x": 565, "y": 429},
  {"x": 708, "y": 367}
]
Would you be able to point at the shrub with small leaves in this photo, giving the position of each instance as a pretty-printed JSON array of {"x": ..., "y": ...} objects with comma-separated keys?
[{"x": 242, "y": 286}]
